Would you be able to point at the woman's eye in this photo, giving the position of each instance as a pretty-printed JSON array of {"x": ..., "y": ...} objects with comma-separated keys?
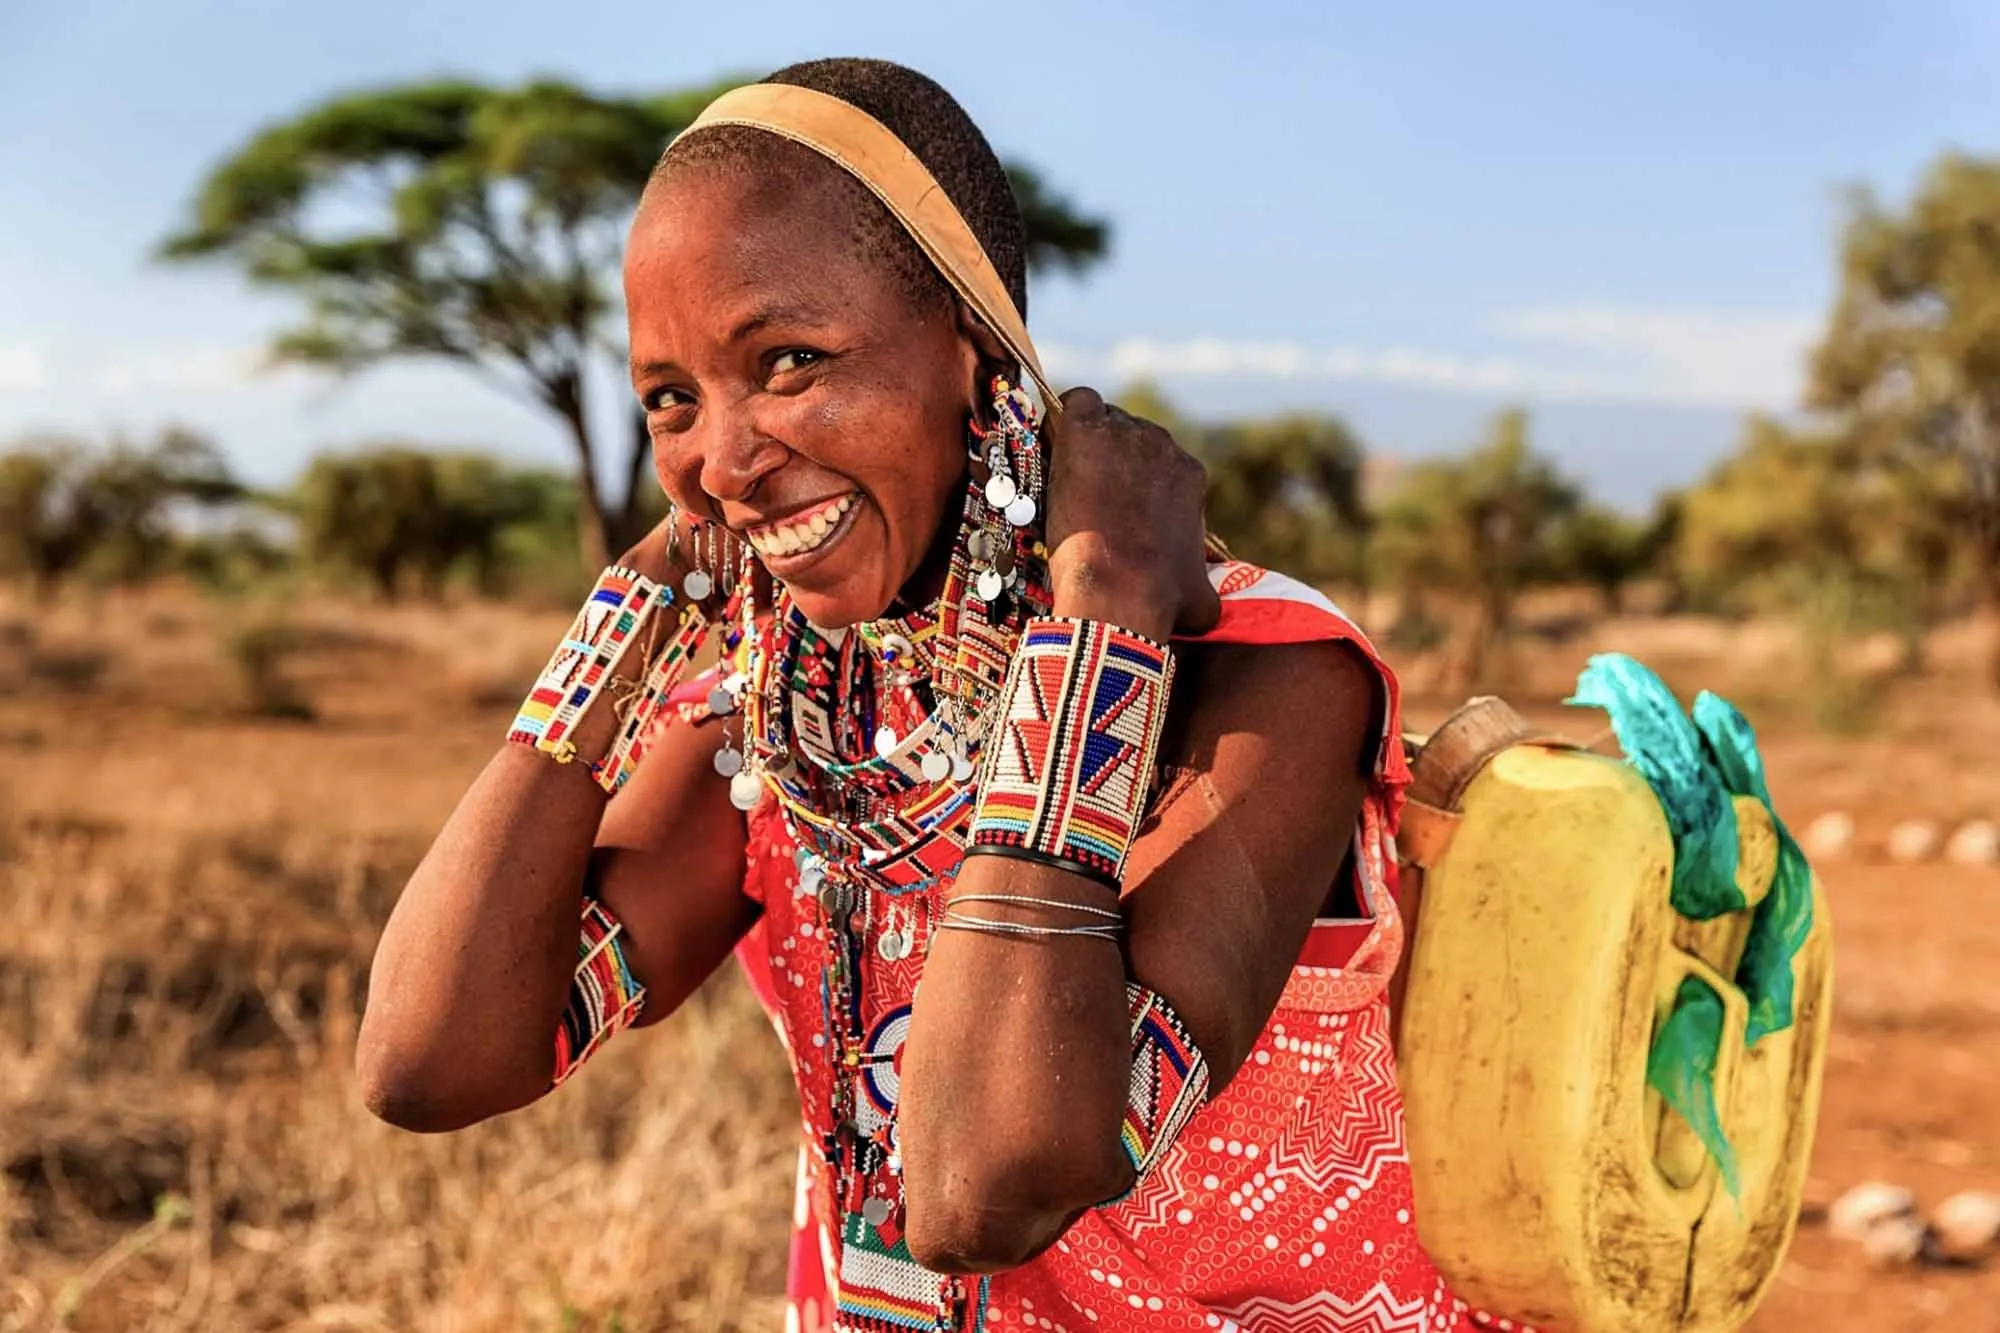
[
  {"x": 794, "y": 358},
  {"x": 659, "y": 400}
]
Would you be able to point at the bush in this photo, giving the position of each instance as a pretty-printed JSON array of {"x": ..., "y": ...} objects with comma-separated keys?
[{"x": 261, "y": 651}]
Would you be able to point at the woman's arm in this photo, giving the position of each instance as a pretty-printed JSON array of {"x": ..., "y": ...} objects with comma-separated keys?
[
  {"x": 1017, "y": 1070},
  {"x": 474, "y": 967},
  {"x": 473, "y": 970},
  {"x": 1016, "y": 1074}
]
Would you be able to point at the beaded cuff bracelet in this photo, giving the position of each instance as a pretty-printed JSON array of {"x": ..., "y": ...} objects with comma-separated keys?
[
  {"x": 604, "y": 996},
  {"x": 635, "y": 735},
  {"x": 1169, "y": 1080},
  {"x": 1071, "y": 755},
  {"x": 624, "y": 610}
]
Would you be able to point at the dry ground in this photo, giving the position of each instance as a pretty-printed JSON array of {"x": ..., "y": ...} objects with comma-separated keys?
[{"x": 188, "y": 896}]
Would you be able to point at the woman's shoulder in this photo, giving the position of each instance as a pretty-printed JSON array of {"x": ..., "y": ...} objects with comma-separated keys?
[
  {"x": 1264, "y": 607},
  {"x": 1283, "y": 658}
]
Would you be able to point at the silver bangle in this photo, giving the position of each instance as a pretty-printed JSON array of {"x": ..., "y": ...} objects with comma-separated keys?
[
  {"x": 982, "y": 926},
  {"x": 1025, "y": 900}
]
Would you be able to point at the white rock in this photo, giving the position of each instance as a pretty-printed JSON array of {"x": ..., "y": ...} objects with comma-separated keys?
[
  {"x": 1828, "y": 838},
  {"x": 1866, "y": 1206},
  {"x": 1895, "y": 1241},
  {"x": 1974, "y": 844},
  {"x": 1967, "y": 1225},
  {"x": 1914, "y": 840}
]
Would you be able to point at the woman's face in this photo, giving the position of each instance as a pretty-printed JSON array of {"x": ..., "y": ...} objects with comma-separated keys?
[{"x": 794, "y": 390}]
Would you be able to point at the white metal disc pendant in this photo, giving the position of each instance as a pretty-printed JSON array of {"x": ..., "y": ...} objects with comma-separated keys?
[
  {"x": 745, "y": 789},
  {"x": 991, "y": 585},
  {"x": 894, "y": 946},
  {"x": 721, "y": 701},
  {"x": 1000, "y": 491},
  {"x": 961, "y": 768},
  {"x": 698, "y": 585},
  {"x": 936, "y": 766},
  {"x": 975, "y": 545},
  {"x": 729, "y": 761},
  {"x": 875, "y": 1210},
  {"x": 1021, "y": 511},
  {"x": 885, "y": 742}
]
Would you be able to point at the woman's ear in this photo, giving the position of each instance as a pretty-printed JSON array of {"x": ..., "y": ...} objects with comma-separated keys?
[{"x": 985, "y": 356}]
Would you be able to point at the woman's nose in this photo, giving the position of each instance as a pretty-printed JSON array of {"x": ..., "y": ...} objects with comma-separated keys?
[{"x": 738, "y": 458}]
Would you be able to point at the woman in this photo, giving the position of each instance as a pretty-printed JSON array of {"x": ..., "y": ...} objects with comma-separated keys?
[{"x": 1147, "y": 1081}]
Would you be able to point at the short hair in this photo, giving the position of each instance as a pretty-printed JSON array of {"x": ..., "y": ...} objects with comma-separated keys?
[{"x": 932, "y": 125}]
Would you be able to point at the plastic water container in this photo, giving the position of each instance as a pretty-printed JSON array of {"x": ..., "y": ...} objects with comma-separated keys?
[{"x": 1553, "y": 1185}]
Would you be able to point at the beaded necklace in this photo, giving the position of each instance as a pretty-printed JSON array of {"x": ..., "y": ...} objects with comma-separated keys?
[{"x": 869, "y": 741}]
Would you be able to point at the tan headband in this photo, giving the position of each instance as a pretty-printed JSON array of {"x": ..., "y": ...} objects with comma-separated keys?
[{"x": 867, "y": 150}]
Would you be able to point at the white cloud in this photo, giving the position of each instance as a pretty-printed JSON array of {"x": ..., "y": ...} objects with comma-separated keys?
[
  {"x": 22, "y": 367},
  {"x": 203, "y": 369},
  {"x": 1738, "y": 359},
  {"x": 1145, "y": 358},
  {"x": 1733, "y": 358}
]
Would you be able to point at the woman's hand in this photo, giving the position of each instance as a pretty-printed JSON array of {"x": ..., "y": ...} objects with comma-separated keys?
[
  {"x": 1125, "y": 530},
  {"x": 677, "y": 546}
]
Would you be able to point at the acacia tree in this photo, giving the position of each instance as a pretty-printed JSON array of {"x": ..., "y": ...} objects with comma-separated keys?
[
  {"x": 1286, "y": 492},
  {"x": 1607, "y": 550},
  {"x": 1795, "y": 514},
  {"x": 481, "y": 226},
  {"x": 1910, "y": 363},
  {"x": 1483, "y": 526}
]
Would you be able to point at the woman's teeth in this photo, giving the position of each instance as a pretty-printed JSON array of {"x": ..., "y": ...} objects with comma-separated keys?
[{"x": 804, "y": 533}]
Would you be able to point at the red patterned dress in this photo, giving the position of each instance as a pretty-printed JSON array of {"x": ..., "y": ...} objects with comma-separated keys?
[{"x": 1284, "y": 1205}]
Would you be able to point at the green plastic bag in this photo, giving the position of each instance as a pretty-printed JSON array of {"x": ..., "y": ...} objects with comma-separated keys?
[
  {"x": 1681, "y": 1066},
  {"x": 1695, "y": 765}
]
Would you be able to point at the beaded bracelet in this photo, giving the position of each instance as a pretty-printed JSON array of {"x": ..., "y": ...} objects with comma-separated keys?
[
  {"x": 625, "y": 609},
  {"x": 1169, "y": 1080},
  {"x": 620, "y": 602},
  {"x": 604, "y": 996},
  {"x": 649, "y": 705},
  {"x": 1068, "y": 765}
]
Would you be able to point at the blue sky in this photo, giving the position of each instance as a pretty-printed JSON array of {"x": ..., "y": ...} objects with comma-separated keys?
[{"x": 1407, "y": 214}]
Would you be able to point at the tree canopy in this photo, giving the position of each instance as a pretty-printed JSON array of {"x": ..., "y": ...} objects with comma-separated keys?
[
  {"x": 1286, "y": 492},
  {"x": 394, "y": 514},
  {"x": 67, "y": 508},
  {"x": 1909, "y": 368},
  {"x": 482, "y": 226},
  {"x": 1485, "y": 524}
]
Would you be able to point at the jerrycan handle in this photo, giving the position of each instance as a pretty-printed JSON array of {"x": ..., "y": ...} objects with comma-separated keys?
[
  {"x": 1678, "y": 1154},
  {"x": 1444, "y": 763}
]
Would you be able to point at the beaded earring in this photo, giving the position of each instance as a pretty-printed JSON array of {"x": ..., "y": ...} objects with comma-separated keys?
[
  {"x": 1012, "y": 443},
  {"x": 746, "y": 783},
  {"x": 1011, "y": 450},
  {"x": 699, "y": 583}
]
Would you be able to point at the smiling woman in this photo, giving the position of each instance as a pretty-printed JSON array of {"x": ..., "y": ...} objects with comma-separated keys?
[
  {"x": 783, "y": 377},
  {"x": 995, "y": 715}
]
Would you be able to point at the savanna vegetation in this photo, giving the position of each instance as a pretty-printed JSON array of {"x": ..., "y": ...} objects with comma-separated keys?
[{"x": 231, "y": 715}]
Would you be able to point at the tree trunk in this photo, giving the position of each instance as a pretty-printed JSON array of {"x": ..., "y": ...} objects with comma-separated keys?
[
  {"x": 1488, "y": 631},
  {"x": 1990, "y": 588},
  {"x": 385, "y": 573},
  {"x": 565, "y": 395},
  {"x": 628, "y": 524}
]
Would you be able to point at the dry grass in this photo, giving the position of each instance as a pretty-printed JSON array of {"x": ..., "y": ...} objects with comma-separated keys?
[
  {"x": 183, "y": 1147},
  {"x": 189, "y": 894},
  {"x": 190, "y": 891}
]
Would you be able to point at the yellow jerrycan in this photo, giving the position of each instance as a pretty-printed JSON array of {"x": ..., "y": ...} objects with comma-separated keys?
[{"x": 1555, "y": 1185}]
